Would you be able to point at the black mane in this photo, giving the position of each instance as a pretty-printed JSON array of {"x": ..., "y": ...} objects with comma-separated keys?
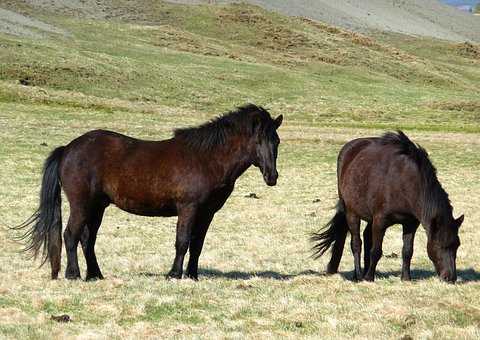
[
  {"x": 435, "y": 200},
  {"x": 215, "y": 132}
]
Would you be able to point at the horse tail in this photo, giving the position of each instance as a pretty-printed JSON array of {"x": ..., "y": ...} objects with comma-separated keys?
[
  {"x": 45, "y": 225},
  {"x": 335, "y": 230}
]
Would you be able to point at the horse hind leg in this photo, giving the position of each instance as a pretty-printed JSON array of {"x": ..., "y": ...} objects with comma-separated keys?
[
  {"x": 88, "y": 240},
  {"x": 55, "y": 249},
  {"x": 337, "y": 249},
  {"x": 378, "y": 232},
  {"x": 72, "y": 234},
  {"x": 367, "y": 245},
  {"x": 356, "y": 244}
]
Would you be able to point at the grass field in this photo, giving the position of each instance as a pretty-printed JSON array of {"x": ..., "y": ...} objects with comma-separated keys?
[{"x": 171, "y": 66}]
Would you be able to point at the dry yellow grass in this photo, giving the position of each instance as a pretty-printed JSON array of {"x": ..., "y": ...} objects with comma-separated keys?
[
  {"x": 157, "y": 66},
  {"x": 256, "y": 279}
]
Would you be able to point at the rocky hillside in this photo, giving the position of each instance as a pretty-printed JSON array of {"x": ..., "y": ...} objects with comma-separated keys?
[{"x": 423, "y": 18}]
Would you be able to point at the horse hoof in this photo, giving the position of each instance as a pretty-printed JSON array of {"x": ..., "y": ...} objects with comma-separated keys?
[
  {"x": 193, "y": 277},
  {"x": 72, "y": 276},
  {"x": 94, "y": 277},
  {"x": 357, "y": 278}
]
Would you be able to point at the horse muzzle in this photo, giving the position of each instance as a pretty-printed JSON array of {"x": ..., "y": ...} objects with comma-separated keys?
[{"x": 271, "y": 179}]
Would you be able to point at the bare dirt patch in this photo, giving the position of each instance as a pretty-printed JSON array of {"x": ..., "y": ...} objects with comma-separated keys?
[
  {"x": 469, "y": 50},
  {"x": 21, "y": 25}
]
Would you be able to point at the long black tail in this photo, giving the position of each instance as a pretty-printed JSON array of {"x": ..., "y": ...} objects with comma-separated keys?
[
  {"x": 45, "y": 225},
  {"x": 334, "y": 230}
]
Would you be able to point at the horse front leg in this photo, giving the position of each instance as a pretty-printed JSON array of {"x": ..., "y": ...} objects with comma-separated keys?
[
  {"x": 186, "y": 219},
  {"x": 196, "y": 243},
  {"x": 409, "y": 231}
]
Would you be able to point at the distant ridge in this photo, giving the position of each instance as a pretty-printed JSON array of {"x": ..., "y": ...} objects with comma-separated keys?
[
  {"x": 461, "y": 2},
  {"x": 429, "y": 18}
]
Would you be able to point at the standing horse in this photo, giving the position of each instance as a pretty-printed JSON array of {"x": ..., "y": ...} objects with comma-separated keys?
[
  {"x": 386, "y": 181},
  {"x": 190, "y": 176}
]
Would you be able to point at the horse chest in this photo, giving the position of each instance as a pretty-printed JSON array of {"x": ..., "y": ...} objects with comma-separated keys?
[{"x": 217, "y": 197}]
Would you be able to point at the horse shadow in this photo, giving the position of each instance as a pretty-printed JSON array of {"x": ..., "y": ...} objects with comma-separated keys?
[
  {"x": 267, "y": 274},
  {"x": 240, "y": 275},
  {"x": 464, "y": 275}
]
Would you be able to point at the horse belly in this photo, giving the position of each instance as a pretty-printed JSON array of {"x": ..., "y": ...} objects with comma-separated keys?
[
  {"x": 142, "y": 198},
  {"x": 164, "y": 211}
]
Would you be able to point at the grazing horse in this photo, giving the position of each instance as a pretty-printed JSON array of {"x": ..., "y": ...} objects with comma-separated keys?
[
  {"x": 385, "y": 181},
  {"x": 190, "y": 176}
]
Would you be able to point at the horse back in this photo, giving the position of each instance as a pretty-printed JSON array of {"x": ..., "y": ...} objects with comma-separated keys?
[
  {"x": 139, "y": 176},
  {"x": 374, "y": 178}
]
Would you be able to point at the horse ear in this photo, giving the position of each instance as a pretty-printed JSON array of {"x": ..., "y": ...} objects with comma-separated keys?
[
  {"x": 278, "y": 121},
  {"x": 459, "y": 221}
]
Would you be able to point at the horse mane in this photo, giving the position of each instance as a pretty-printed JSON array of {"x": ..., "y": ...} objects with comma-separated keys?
[
  {"x": 435, "y": 199},
  {"x": 215, "y": 132}
]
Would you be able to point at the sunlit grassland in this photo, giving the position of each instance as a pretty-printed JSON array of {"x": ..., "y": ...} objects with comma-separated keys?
[
  {"x": 256, "y": 275},
  {"x": 257, "y": 279}
]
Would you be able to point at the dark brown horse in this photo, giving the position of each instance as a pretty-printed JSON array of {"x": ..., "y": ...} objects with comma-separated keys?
[
  {"x": 190, "y": 176},
  {"x": 386, "y": 181}
]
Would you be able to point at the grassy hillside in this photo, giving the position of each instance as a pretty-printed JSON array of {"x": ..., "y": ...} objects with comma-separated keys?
[
  {"x": 145, "y": 67},
  {"x": 208, "y": 59}
]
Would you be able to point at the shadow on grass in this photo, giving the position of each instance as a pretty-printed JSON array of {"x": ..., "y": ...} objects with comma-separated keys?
[
  {"x": 268, "y": 274},
  {"x": 464, "y": 275},
  {"x": 238, "y": 275}
]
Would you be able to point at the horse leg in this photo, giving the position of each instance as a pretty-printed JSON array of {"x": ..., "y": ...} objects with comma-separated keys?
[
  {"x": 198, "y": 237},
  {"x": 73, "y": 231},
  {"x": 378, "y": 232},
  {"x": 356, "y": 244},
  {"x": 55, "y": 250},
  {"x": 337, "y": 251},
  {"x": 87, "y": 240},
  {"x": 186, "y": 219},
  {"x": 367, "y": 245},
  {"x": 409, "y": 231}
]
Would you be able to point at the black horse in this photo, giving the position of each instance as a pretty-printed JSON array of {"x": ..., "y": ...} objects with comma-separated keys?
[
  {"x": 190, "y": 176},
  {"x": 386, "y": 181}
]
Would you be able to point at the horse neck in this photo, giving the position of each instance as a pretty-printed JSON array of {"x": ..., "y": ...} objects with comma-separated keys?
[
  {"x": 231, "y": 160},
  {"x": 436, "y": 206}
]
